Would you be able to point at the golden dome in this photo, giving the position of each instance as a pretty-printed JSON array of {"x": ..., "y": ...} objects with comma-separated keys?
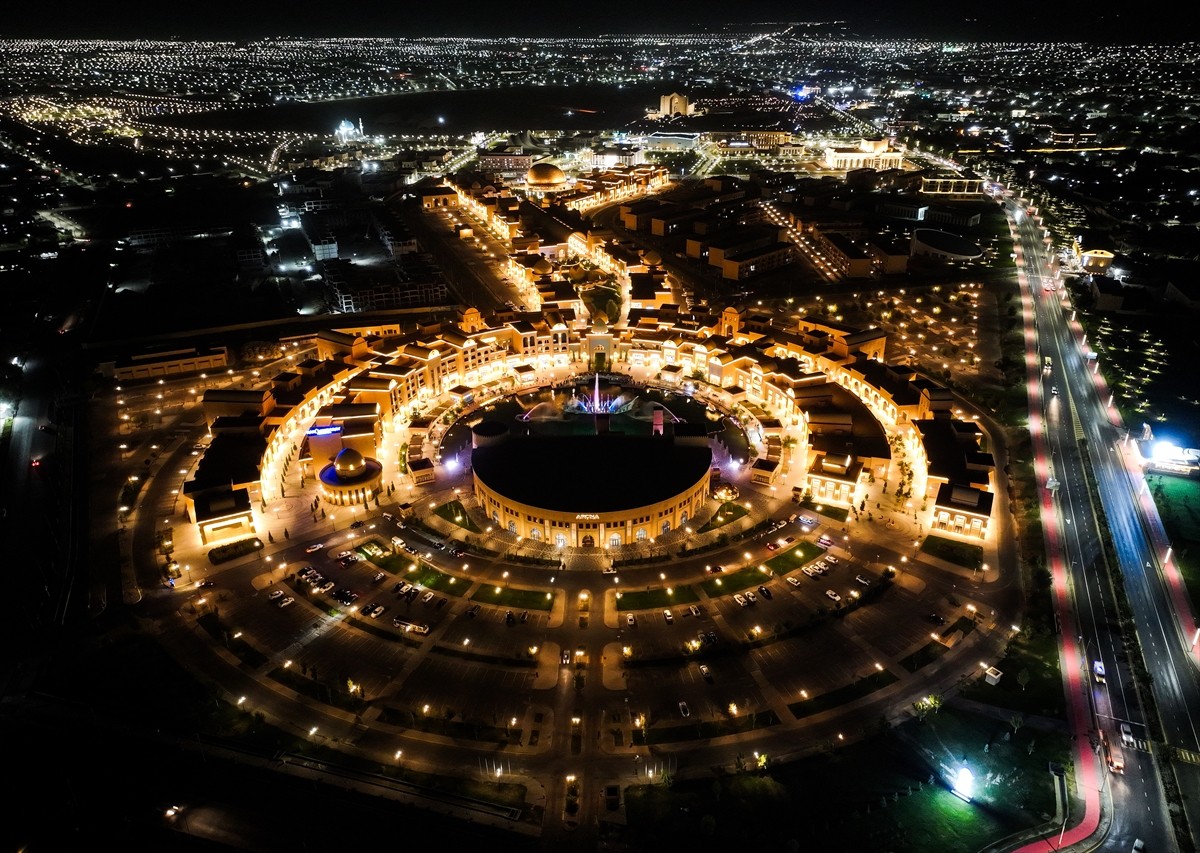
[
  {"x": 348, "y": 462},
  {"x": 651, "y": 258},
  {"x": 545, "y": 175},
  {"x": 543, "y": 267}
]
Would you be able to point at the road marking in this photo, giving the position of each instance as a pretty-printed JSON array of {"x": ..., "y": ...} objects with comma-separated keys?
[{"x": 1188, "y": 756}]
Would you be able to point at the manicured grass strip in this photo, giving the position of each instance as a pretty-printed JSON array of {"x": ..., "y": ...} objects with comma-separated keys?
[
  {"x": 306, "y": 686},
  {"x": 960, "y": 553},
  {"x": 842, "y": 695},
  {"x": 731, "y": 582},
  {"x": 923, "y": 656},
  {"x": 656, "y": 598},
  {"x": 727, "y": 513},
  {"x": 838, "y": 512},
  {"x": 1031, "y": 682},
  {"x": 455, "y": 513},
  {"x": 430, "y": 578},
  {"x": 800, "y": 554},
  {"x": 707, "y": 729},
  {"x": 525, "y": 599}
]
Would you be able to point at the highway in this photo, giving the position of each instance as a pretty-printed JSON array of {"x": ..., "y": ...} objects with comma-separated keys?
[{"x": 1071, "y": 418}]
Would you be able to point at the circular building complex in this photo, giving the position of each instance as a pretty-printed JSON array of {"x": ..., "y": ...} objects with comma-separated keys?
[
  {"x": 591, "y": 491},
  {"x": 350, "y": 479}
]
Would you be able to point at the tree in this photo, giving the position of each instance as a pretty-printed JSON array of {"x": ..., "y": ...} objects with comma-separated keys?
[
  {"x": 1023, "y": 679},
  {"x": 1016, "y": 721}
]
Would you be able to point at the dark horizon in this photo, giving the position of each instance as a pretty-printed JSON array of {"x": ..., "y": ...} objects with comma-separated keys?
[{"x": 1023, "y": 21}]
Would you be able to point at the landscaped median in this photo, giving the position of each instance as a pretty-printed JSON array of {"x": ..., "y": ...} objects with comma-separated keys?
[
  {"x": 732, "y": 724},
  {"x": 800, "y": 554},
  {"x": 731, "y": 582},
  {"x": 727, "y": 513},
  {"x": 842, "y": 695},
  {"x": 655, "y": 599},
  {"x": 960, "y": 553}
]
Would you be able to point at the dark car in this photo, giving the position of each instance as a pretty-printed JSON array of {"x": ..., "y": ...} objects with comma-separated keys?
[
  {"x": 936, "y": 618},
  {"x": 206, "y": 584},
  {"x": 524, "y": 615},
  {"x": 357, "y": 524},
  {"x": 508, "y": 617},
  {"x": 764, "y": 592}
]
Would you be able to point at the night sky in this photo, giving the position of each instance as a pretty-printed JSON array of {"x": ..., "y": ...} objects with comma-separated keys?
[{"x": 1022, "y": 20}]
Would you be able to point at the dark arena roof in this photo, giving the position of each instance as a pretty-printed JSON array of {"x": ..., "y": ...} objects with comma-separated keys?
[{"x": 590, "y": 473}]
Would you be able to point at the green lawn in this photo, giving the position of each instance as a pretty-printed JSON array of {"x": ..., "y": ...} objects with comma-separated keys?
[
  {"x": 701, "y": 729},
  {"x": 960, "y": 553},
  {"x": 455, "y": 513},
  {"x": 731, "y": 582},
  {"x": 1178, "y": 502},
  {"x": 923, "y": 656},
  {"x": 1035, "y": 654},
  {"x": 653, "y": 599},
  {"x": 842, "y": 695},
  {"x": 430, "y": 578},
  {"x": 800, "y": 554},
  {"x": 525, "y": 599},
  {"x": 838, "y": 512},
  {"x": 875, "y": 795},
  {"x": 726, "y": 513}
]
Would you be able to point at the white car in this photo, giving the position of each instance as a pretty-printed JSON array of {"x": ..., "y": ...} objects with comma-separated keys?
[
  {"x": 285, "y": 602},
  {"x": 668, "y": 616},
  {"x": 427, "y": 597},
  {"x": 750, "y": 597},
  {"x": 630, "y": 620},
  {"x": 341, "y": 555},
  {"x": 829, "y": 558},
  {"x": 821, "y": 566},
  {"x": 810, "y": 571},
  {"x": 793, "y": 581},
  {"x": 832, "y": 596},
  {"x": 705, "y": 672},
  {"x": 863, "y": 579},
  {"x": 312, "y": 549},
  {"x": 684, "y": 711},
  {"x": 740, "y": 599},
  {"x": 274, "y": 594}
]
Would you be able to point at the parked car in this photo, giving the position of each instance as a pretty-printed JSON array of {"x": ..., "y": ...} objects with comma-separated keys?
[
  {"x": 427, "y": 597},
  {"x": 328, "y": 585},
  {"x": 750, "y": 597},
  {"x": 524, "y": 615},
  {"x": 715, "y": 570},
  {"x": 832, "y": 560},
  {"x": 1098, "y": 671},
  {"x": 379, "y": 577},
  {"x": 630, "y": 620},
  {"x": 832, "y": 596},
  {"x": 355, "y": 525},
  {"x": 694, "y": 610},
  {"x": 274, "y": 594},
  {"x": 810, "y": 571},
  {"x": 341, "y": 555},
  {"x": 667, "y": 615},
  {"x": 312, "y": 549},
  {"x": 1126, "y": 734},
  {"x": 936, "y": 618},
  {"x": 764, "y": 592},
  {"x": 684, "y": 711},
  {"x": 807, "y": 520},
  {"x": 793, "y": 580},
  {"x": 284, "y": 602},
  {"x": 863, "y": 579},
  {"x": 740, "y": 599},
  {"x": 509, "y": 618},
  {"x": 705, "y": 672}
]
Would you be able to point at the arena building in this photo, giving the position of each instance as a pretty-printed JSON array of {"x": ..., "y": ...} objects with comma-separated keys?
[{"x": 587, "y": 491}]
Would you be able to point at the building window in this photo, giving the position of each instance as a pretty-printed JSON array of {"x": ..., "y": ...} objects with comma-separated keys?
[
  {"x": 560, "y": 540},
  {"x": 614, "y": 541},
  {"x": 535, "y": 534},
  {"x": 641, "y": 534},
  {"x": 666, "y": 527},
  {"x": 512, "y": 527}
]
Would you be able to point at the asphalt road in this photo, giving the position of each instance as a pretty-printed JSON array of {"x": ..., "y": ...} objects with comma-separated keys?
[{"x": 1077, "y": 421}]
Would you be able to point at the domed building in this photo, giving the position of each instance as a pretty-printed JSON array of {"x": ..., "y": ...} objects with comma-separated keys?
[
  {"x": 350, "y": 479},
  {"x": 545, "y": 179}
]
